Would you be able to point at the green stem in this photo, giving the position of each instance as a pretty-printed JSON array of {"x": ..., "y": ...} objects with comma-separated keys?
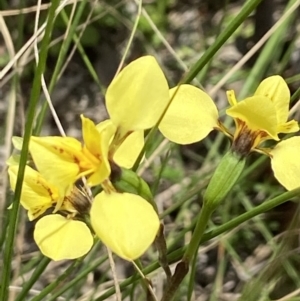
[
  {"x": 262, "y": 208},
  {"x": 192, "y": 276},
  {"x": 182, "y": 267},
  {"x": 201, "y": 225},
  {"x": 34, "y": 97}
]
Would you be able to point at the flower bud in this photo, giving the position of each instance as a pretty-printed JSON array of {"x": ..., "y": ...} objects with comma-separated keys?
[
  {"x": 126, "y": 180},
  {"x": 224, "y": 178}
]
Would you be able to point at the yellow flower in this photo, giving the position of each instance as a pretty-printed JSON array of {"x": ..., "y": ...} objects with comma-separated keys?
[
  {"x": 125, "y": 222},
  {"x": 63, "y": 160},
  {"x": 138, "y": 96},
  {"x": 262, "y": 116},
  {"x": 58, "y": 236}
]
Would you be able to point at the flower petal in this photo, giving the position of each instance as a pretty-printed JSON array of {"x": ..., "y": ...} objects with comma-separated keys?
[
  {"x": 276, "y": 89},
  {"x": 191, "y": 116},
  {"x": 130, "y": 149},
  {"x": 96, "y": 148},
  {"x": 138, "y": 95},
  {"x": 58, "y": 159},
  {"x": 286, "y": 164},
  {"x": 91, "y": 136},
  {"x": 37, "y": 194},
  {"x": 288, "y": 127},
  {"x": 60, "y": 238},
  {"x": 258, "y": 112},
  {"x": 127, "y": 152},
  {"x": 125, "y": 222},
  {"x": 17, "y": 142}
]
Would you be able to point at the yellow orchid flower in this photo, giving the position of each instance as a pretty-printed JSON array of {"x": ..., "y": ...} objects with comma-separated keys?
[
  {"x": 138, "y": 96},
  {"x": 262, "y": 116},
  {"x": 58, "y": 237},
  {"x": 125, "y": 222},
  {"x": 63, "y": 160}
]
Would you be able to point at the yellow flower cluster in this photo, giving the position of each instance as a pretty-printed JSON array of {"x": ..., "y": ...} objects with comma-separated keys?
[{"x": 137, "y": 99}]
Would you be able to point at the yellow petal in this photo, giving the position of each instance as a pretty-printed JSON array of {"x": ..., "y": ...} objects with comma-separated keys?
[
  {"x": 13, "y": 160},
  {"x": 106, "y": 123},
  {"x": 286, "y": 164},
  {"x": 125, "y": 222},
  {"x": 126, "y": 153},
  {"x": 91, "y": 136},
  {"x": 60, "y": 238},
  {"x": 191, "y": 116},
  {"x": 276, "y": 89},
  {"x": 231, "y": 98},
  {"x": 58, "y": 159},
  {"x": 258, "y": 112},
  {"x": 130, "y": 149},
  {"x": 288, "y": 127},
  {"x": 138, "y": 95},
  {"x": 37, "y": 194},
  {"x": 17, "y": 142},
  {"x": 97, "y": 146}
]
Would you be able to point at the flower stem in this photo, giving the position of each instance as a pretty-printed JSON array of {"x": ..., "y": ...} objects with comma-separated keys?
[
  {"x": 182, "y": 267},
  {"x": 201, "y": 225},
  {"x": 221, "y": 183},
  {"x": 161, "y": 246}
]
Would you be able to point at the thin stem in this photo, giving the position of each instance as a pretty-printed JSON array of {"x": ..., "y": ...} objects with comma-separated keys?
[
  {"x": 201, "y": 225},
  {"x": 114, "y": 273},
  {"x": 161, "y": 246},
  {"x": 183, "y": 267}
]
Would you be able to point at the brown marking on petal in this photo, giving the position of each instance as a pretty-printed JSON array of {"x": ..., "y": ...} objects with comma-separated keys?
[
  {"x": 289, "y": 126},
  {"x": 76, "y": 160},
  {"x": 245, "y": 140},
  {"x": 48, "y": 189},
  {"x": 59, "y": 149},
  {"x": 36, "y": 212}
]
